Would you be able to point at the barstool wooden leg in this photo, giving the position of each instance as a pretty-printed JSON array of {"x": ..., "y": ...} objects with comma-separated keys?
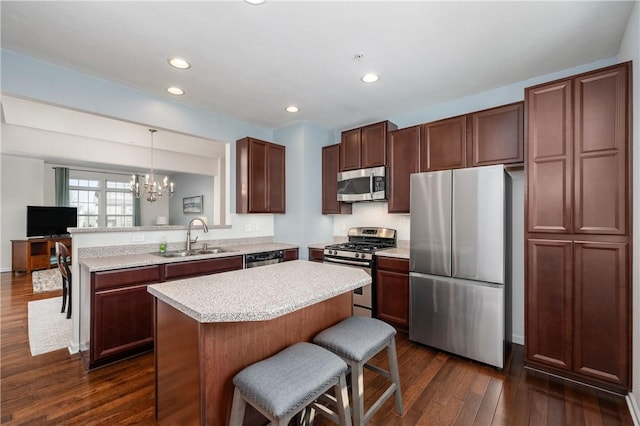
[
  {"x": 395, "y": 375},
  {"x": 237, "y": 409},
  {"x": 342, "y": 401},
  {"x": 357, "y": 392}
]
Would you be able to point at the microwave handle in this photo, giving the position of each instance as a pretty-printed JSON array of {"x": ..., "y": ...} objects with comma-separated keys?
[{"x": 371, "y": 185}]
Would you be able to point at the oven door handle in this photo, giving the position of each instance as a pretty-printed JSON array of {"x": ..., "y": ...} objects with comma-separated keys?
[
  {"x": 371, "y": 185},
  {"x": 347, "y": 262}
]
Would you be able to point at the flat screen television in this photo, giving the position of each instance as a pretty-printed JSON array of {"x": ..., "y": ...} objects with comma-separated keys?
[{"x": 43, "y": 221}]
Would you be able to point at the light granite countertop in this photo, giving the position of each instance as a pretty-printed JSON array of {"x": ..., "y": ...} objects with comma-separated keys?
[
  {"x": 399, "y": 252},
  {"x": 258, "y": 294},
  {"x": 106, "y": 263}
]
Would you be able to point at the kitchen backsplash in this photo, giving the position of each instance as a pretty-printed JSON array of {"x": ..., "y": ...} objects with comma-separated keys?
[{"x": 372, "y": 214}]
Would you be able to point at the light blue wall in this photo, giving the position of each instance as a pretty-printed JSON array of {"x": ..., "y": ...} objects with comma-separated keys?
[
  {"x": 189, "y": 185},
  {"x": 489, "y": 99},
  {"x": 26, "y": 77},
  {"x": 303, "y": 223}
]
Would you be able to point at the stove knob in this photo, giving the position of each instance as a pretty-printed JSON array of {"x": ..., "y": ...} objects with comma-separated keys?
[{"x": 357, "y": 255}]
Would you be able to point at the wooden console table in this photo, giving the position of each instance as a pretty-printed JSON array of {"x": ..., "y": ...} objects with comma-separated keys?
[{"x": 36, "y": 253}]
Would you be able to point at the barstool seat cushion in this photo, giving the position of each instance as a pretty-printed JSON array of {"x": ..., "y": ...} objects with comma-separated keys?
[
  {"x": 356, "y": 338},
  {"x": 291, "y": 379}
]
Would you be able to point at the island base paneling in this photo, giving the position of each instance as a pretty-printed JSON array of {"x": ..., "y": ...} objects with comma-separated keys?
[{"x": 196, "y": 362}]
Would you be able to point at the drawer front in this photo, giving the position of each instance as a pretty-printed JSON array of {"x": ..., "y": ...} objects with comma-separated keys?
[
  {"x": 316, "y": 255},
  {"x": 194, "y": 268},
  {"x": 393, "y": 264},
  {"x": 125, "y": 277},
  {"x": 290, "y": 254}
]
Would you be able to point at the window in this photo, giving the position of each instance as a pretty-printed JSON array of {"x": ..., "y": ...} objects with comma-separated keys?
[{"x": 101, "y": 202}]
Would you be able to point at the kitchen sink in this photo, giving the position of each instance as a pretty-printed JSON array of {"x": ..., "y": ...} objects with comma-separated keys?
[
  {"x": 214, "y": 250},
  {"x": 184, "y": 253}
]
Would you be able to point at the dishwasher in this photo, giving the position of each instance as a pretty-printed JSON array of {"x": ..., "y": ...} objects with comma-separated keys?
[{"x": 265, "y": 258}]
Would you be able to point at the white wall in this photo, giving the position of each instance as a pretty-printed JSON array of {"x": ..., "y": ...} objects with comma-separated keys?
[
  {"x": 21, "y": 181},
  {"x": 630, "y": 51}
]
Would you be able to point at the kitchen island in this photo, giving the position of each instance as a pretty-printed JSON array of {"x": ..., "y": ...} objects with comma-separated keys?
[{"x": 209, "y": 328}]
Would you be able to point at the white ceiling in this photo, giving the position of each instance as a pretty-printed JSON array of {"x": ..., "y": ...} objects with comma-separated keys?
[{"x": 249, "y": 62}]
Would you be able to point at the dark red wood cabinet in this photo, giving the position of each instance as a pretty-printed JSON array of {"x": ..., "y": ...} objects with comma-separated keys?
[
  {"x": 260, "y": 177},
  {"x": 316, "y": 255},
  {"x": 497, "y": 136},
  {"x": 578, "y": 210},
  {"x": 392, "y": 291},
  {"x": 365, "y": 146},
  {"x": 443, "y": 144},
  {"x": 290, "y": 254},
  {"x": 330, "y": 169},
  {"x": 403, "y": 157},
  {"x": 120, "y": 321}
]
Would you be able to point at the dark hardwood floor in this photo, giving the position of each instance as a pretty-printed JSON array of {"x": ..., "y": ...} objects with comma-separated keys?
[{"x": 437, "y": 388}]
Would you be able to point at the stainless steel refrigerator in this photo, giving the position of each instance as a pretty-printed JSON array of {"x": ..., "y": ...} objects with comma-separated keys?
[{"x": 459, "y": 288}]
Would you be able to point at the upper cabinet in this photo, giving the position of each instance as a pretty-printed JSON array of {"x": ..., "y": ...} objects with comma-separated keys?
[
  {"x": 578, "y": 160},
  {"x": 403, "y": 157},
  {"x": 365, "y": 146},
  {"x": 260, "y": 177},
  {"x": 330, "y": 169},
  {"x": 497, "y": 136},
  {"x": 443, "y": 144}
]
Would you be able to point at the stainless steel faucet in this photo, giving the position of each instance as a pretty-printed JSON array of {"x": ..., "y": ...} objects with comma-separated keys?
[{"x": 189, "y": 240}]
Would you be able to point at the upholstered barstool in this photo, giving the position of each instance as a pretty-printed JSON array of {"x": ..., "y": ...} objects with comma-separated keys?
[
  {"x": 356, "y": 340},
  {"x": 282, "y": 386}
]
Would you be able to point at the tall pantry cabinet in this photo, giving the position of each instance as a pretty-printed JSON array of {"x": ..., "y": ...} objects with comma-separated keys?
[{"x": 578, "y": 250}]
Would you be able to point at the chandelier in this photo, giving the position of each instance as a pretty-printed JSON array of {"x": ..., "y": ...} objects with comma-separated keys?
[{"x": 151, "y": 189}]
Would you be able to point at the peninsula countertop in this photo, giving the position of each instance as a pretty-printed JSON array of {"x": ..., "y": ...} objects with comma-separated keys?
[
  {"x": 95, "y": 264},
  {"x": 258, "y": 294}
]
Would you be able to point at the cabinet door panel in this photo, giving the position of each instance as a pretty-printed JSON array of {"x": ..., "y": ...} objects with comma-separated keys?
[
  {"x": 443, "y": 144},
  {"x": 290, "y": 254},
  {"x": 276, "y": 182},
  {"x": 497, "y": 136},
  {"x": 258, "y": 175},
  {"x": 601, "y": 311},
  {"x": 374, "y": 146},
  {"x": 548, "y": 303},
  {"x": 123, "y": 322},
  {"x": 601, "y": 164},
  {"x": 350, "y": 149},
  {"x": 403, "y": 156},
  {"x": 330, "y": 169},
  {"x": 316, "y": 255},
  {"x": 549, "y": 159},
  {"x": 392, "y": 298}
]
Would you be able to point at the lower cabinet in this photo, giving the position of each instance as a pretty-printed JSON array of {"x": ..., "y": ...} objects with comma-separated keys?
[
  {"x": 120, "y": 321},
  {"x": 290, "y": 254},
  {"x": 392, "y": 291},
  {"x": 316, "y": 255},
  {"x": 578, "y": 311}
]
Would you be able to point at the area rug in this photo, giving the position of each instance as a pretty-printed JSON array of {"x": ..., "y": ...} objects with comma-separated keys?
[
  {"x": 49, "y": 329},
  {"x": 46, "y": 280}
]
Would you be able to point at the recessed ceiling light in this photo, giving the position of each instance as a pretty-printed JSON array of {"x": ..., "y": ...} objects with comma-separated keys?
[
  {"x": 292, "y": 108},
  {"x": 179, "y": 63},
  {"x": 370, "y": 78},
  {"x": 256, "y": 2},
  {"x": 175, "y": 91}
]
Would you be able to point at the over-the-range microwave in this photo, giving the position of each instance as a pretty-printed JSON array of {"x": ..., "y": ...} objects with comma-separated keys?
[{"x": 362, "y": 185}]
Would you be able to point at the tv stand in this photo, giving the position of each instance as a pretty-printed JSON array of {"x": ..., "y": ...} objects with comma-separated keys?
[{"x": 36, "y": 253}]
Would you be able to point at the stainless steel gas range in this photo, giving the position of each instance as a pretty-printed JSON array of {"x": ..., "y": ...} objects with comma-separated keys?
[{"x": 358, "y": 253}]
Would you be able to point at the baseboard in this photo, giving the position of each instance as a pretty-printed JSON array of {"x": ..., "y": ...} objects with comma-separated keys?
[
  {"x": 633, "y": 408},
  {"x": 73, "y": 348},
  {"x": 517, "y": 339}
]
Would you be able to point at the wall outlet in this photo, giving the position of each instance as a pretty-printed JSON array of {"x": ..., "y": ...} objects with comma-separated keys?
[
  {"x": 137, "y": 238},
  {"x": 247, "y": 227},
  {"x": 257, "y": 227}
]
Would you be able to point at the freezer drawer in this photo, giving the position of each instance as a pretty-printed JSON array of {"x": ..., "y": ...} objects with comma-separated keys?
[{"x": 458, "y": 316}]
